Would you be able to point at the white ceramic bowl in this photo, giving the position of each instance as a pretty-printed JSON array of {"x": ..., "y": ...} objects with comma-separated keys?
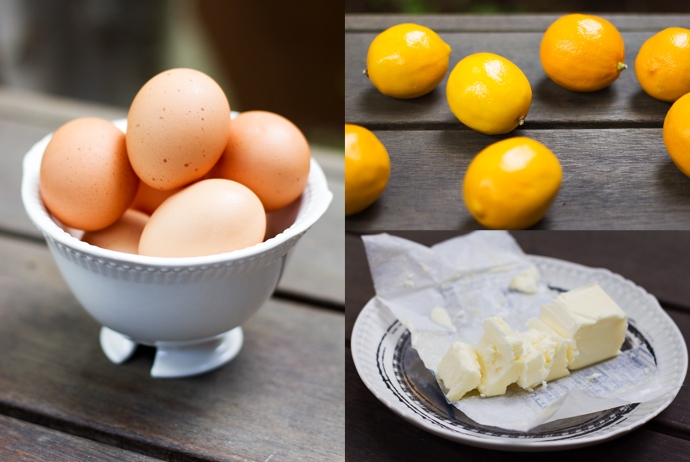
[{"x": 190, "y": 308}]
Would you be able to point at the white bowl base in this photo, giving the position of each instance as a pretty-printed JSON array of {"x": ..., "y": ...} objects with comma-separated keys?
[{"x": 177, "y": 359}]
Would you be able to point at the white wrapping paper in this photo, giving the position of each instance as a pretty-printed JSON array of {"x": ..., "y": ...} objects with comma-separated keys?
[{"x": 469, "y": 278}]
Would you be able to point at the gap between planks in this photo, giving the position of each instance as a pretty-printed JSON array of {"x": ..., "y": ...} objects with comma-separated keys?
[
  {"x": 83, "y": 430},
  {"x": 558, "y": 125}
]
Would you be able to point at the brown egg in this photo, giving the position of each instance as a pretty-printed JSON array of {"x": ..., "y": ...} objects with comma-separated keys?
[
  {"x": 177, "y": 128},
  {"x": 281, "y": 219},
  {"x": 209, "y": 217},
  {"x": 268, "y": 154},
  {"x": 86, "y": 179},
  {"x": 121, "y": 236},
  {"x": 148, "y": 199}
]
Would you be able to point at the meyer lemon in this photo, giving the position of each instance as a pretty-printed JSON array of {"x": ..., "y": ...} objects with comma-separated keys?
[
  {"x": 582, "y": 52},
  {"x": 407, "y": 61},
  {"x": 488, "y": 93},
  {"x": 367, "y": 168},
  {"x": 677, "y": 133},
  {"x": 662, "y": 65},
  {"x": 512, "y": 183}
]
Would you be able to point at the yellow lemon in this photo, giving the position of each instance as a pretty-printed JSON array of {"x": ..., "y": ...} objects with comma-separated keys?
[
  {"x": 677, "y": 133},
  {"x": 662, "y": 65},
  {"x": 582, "y": 52},
  {"x": 367, "y": 168},
  {"x": 512, "y": 183},
  {"x": 407, "y": 61},
  {"x": 488, "y": 93}
]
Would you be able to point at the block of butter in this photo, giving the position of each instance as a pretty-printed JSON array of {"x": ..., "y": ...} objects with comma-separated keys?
[
  {"x": 459, "y": 370},
  {"x": 591, "y": 319},
  {"x": 498, "y": 352}
]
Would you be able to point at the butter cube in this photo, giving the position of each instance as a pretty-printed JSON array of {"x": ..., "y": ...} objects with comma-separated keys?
[
  {"x": 459, "y": 371},
  {"x": 591, "y": 319},
  {"x": 556, "y": 356},
  {"x": 498, "y": 351}
]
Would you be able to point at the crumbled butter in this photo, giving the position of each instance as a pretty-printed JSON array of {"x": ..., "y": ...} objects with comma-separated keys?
[
  {"x": 459, "y": 370},
  {"x": 440, "y": 316},
  {"x": 578, "y": 328},
  {"x": 498, "y": 351},
  {"x": 591, "y": 319},
  {"x": 526, "y": 281},
  {"x": 536, "y": 346},
  {"x": 556, "y": 356}
]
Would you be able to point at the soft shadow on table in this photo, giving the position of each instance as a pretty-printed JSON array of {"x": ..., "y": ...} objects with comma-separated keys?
[
  {"x": 642, "y": 103},
  {"x": 673, "y": 181},
  {"x": 373, "y": 102},
  {"x": 552, "y": 95},
  {"x": 467, "y": 142}
]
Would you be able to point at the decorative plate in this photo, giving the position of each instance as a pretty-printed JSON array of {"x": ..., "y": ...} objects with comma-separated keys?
[{"x": 395, "y": 374}]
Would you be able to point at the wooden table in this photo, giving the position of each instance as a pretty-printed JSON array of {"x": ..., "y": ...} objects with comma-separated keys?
[
  {"x": 657, "y": 261},
  {"x": 616, "y": 171},
  {"x": 282, "y": 398}
]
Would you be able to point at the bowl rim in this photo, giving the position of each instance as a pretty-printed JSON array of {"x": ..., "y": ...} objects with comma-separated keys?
[{"x": 318, "y": 197}]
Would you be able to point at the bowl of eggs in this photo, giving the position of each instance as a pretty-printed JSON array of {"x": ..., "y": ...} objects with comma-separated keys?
[{"x": 172, "y": 227}]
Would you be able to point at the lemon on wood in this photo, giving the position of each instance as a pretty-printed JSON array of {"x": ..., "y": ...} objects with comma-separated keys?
[
  {"x": 489, "y": 93},
  {"x": 407, "y": 61},
  {"x": 582, "y": 52},
  {"x": 512, "y": 183},
  {"x": 676, "y": 133},
  {"x": 662, "y": 65},
  {"x": 367, "y": 168}
]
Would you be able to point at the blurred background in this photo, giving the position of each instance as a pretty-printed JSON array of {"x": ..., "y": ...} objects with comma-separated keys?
[
  {"x": 515, "y": 6},
  {"x": 284, "y": 57}
]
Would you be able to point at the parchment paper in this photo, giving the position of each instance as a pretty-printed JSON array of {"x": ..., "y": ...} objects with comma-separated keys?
[{"x": 469, "y": 277}]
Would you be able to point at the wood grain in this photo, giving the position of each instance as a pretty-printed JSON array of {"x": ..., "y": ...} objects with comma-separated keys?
[
  {"x": 27, "y": 442},
  {"x": 374, "y": 433},
  {"x": 612, "y": 179},
  {"x": 282, "y": 397},
  {"x": 622, "y": 104},
  {"x": 505, "y": 23}
]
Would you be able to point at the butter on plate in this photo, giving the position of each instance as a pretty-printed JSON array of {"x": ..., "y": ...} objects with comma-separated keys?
[
  {"x": 577, "y": 329},
  {"x": 592, "y": 320}
]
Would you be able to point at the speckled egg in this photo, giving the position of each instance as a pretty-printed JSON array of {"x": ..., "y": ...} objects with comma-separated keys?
[
  {"x": 267, "y": 153},
  {"x": 121, "y": 236},
  {"x": 209, "y": 217},
  {"x": 86, "y": 180},
  {"x": 177, "y": 128}
]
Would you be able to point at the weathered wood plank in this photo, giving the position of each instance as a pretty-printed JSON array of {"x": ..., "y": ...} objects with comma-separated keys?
[
  {"x": 317, "y": 264},
  {"x": 654, "y": 260},
  {"x": 48, "y": 111},
  {"x": 622, "y": 104},
  {"x": 506, "y": 23},
  {"x": 612, "y": 179},
  {"x": 315, "y": 268},
  {"x": 24, "y": 441},
  {"x": 374, "y": 433},
  {"x": 282, "y": 397}
]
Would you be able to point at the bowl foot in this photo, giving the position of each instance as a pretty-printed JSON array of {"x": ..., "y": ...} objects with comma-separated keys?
[
  {"x": 116, "y": 346},
  {"x": 178, "y": 359}
]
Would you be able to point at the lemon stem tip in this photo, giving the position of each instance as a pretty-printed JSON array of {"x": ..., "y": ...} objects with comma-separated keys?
[
  {"x": 366, "y": 72},
  {"x": 621, "y": 66},
  {"x": 521, "y": 121}
]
